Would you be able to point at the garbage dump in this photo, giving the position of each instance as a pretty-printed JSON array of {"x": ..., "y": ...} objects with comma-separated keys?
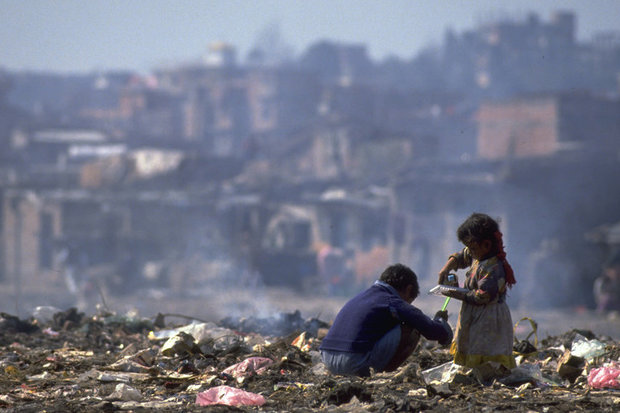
[{"x": 69, "y": 361}]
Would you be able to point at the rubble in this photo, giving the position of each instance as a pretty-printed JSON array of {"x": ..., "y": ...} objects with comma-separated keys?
[{"x": 108, "y": 362}]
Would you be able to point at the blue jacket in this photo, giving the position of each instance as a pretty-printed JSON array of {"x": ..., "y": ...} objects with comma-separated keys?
[{"x": 372, "y": 313}]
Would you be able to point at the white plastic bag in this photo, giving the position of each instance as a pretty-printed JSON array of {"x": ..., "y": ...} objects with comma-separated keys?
[
  {"x": 587, "y": 349},
  {"x": 125, "y": 393},
  {"x": 443, "y": 373},
  {"x": 45, "y": 314}
]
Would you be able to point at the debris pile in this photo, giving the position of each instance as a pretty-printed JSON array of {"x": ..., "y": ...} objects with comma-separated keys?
[{"x": 68, "y": 361}]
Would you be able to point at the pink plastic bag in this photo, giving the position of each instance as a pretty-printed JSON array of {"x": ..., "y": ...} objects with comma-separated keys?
[
  {"x": 229, "y": 396},
  {"x": 249, "y": 366},
  {"x": 607, "y": 376}
]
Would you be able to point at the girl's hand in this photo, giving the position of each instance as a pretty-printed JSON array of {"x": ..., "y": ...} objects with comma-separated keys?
[
  {"x": 443, "y": 273},
  {"x": 452, "y": 280},
  {"x": 456, "y": 294}
]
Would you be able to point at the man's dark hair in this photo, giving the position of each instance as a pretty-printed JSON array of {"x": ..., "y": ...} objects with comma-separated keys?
[{"x": 400, "y": 276}]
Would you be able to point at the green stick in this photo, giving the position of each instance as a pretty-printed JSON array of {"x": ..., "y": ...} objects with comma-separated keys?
[{"x": 451, "y": 277}]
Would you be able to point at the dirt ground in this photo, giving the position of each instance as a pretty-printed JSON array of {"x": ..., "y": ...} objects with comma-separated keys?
[{"x": 117, "y": 359}]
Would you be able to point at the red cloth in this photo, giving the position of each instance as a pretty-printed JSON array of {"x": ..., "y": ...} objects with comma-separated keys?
[{"x": 510, "y": 275}]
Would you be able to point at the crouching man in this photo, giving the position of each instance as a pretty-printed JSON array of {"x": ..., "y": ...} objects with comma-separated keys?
[{"x": 379, "y": 327}]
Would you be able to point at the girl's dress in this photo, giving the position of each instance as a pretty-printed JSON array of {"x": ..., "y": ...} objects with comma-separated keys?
[{"x": 484, "y": 329}]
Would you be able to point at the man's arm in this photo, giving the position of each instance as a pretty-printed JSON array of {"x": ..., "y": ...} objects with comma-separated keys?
[{"x": 433, "y": 329}]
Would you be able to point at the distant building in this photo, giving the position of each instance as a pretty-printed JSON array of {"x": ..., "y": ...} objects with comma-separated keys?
[
  {"x": 335, "y": 63},
  {"x": 152, "y": 114},
  {"x": 547, "y": 125},
  {"x": 502, "y": 57},
  {"x": 281, "y": 99},
  {"x": 220, "y": 54},
  {"x": 349, "y": 150}
]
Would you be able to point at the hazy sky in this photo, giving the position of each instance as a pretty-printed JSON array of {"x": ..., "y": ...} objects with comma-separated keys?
[{"x": 86, "y": 35}]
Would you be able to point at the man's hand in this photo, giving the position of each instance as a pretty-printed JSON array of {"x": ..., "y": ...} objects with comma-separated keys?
[{"x": 441, "y": 314}]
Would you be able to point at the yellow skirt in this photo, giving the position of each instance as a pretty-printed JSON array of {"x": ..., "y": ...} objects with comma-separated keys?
[{"x": 483, "y": 333}]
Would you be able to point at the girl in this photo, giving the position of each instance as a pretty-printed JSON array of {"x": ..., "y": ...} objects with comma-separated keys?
[{"x": 484, "y": 329}]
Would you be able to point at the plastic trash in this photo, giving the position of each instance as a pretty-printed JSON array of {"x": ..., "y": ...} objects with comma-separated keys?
[
  {"x": 443, "y": 373},
  {"x": 50, "y": 332},
  {"x": 108, "y": 377},
  {"x": 588, "y": 349},
  {"x": 45, "y": 314},
  {"x": 180, "y": 344},
  {"x": 525, "y": 373},
  {"x": 129, "y": 321},
  {"x": 421, "y": 392},
  {"x": 607, "y": 376},
  {"x": 198, "y": 330},
  {"x": 302, "y": 343},
  {"x": 46, "y": 375},
  {"x": 128, "y": 366},
  {"x": 248, "y": 367},
  {"x": 223, "y": 338},
  {"x": 125, "y": 393},
  {"x": 229, "y": 396}
]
